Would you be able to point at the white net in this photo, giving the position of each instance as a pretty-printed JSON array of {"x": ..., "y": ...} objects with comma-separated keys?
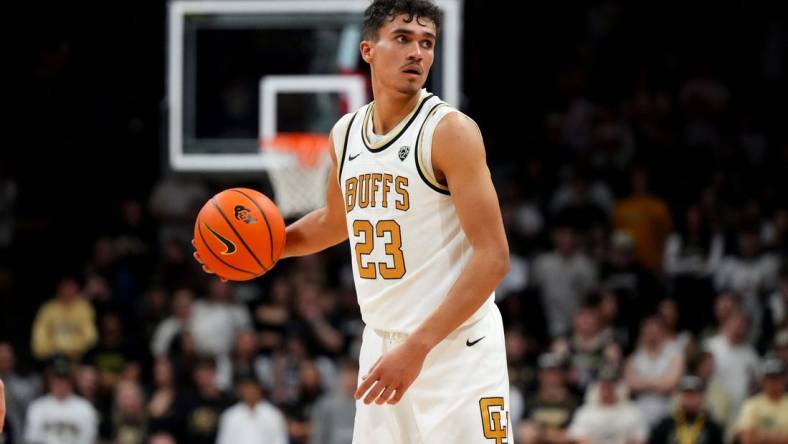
[
  {"x": 299, "y": 189},
  {"x": 298, "y": 169}
]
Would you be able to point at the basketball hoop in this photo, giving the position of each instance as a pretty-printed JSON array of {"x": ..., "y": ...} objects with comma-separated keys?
[{"x": 300, "y": 179}]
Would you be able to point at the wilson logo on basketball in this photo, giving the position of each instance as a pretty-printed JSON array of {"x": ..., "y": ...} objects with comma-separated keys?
[{"x": 244, "y": 214}]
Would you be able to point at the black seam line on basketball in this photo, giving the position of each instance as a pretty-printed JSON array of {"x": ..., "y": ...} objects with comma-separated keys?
[
  {"x": 341, "y": 161},
  {"x": 416, "y": 157},
  {"x": 405, "y": 128},
  {"x": 270, "y": 236},
  {"x": 202, "y": 237},
  {"x": 229, "y": 224}
]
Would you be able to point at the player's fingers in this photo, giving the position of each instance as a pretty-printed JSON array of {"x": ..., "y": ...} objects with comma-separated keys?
[
  {"x": 365, "y": 385},
  {"x": 207, "y": 270},
  {"x": 400, "y": 393},
  {"x": 397, "y": 396},
  {"x": 196, "y": 256},
  {"x": 385, "y": 395},
  {"x": 372, "y": 369},
  {"x": 374, "y": 392}
]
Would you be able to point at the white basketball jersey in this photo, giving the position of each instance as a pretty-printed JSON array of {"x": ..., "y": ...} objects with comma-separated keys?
[{"x": 407, "y": 245}]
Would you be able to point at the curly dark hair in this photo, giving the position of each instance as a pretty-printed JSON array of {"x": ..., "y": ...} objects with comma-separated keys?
[{"x": 382, "y": 10}]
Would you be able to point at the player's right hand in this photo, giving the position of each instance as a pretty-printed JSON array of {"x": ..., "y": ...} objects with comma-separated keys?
[{"x": 204, "y": 268}]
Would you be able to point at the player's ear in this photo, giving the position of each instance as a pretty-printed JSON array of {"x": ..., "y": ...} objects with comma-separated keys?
[{"x": 367, "y": 50}]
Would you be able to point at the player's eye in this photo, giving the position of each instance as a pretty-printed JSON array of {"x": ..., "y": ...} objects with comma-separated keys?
[
  {"x": 426, "y": 44},
  {"x": 401, "y": 39}
]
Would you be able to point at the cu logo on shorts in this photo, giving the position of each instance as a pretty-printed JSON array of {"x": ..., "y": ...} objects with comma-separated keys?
[{"x": 492, "y": 409}]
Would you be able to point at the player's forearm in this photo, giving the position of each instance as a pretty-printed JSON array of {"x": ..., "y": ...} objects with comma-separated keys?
[
  {"x": 477, "y": 281},
  {"x": 314, "y": 232}
]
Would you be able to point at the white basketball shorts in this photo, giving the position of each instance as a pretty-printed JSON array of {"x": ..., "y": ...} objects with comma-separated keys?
[{"x": 461, "y": 395}]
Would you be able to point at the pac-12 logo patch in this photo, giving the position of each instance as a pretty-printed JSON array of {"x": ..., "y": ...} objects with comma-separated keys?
[
  {"x": 244, "y": 214},
  {"x": 403, "y": 152}
]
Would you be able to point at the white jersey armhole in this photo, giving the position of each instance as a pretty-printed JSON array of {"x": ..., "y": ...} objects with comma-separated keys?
[
  {"x": 338, "y": 136},
  {"x": 425, "y": 150}
]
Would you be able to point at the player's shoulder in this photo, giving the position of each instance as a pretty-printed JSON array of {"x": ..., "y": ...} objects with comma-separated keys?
[
  {"x": 342, "y": 122},
  {"x": 450, "y": 120}
]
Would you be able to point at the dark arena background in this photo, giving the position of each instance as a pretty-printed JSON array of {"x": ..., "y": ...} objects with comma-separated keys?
[{"x": 640, "y": 155}]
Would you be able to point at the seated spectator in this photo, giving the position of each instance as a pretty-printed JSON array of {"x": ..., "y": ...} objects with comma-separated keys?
[
  {"x": 764, "y": 417},
  {"x": 19, "y": 390},
  {"x": 735, "y": 360},
  {"x": 252, "y": 420},
  {"x": 273, "y": 314},
  {"x": 611, "y": 322},
  {"x": 646, "y": 218},
  {"x": 310, "y": 389},
  {"x": 315, "y": 321},
  {"x": 668, "y": 314},
  {"x": 611, "y": 420},
  {"x": 564, "y": 276},
  {"x": 777, "y": 303},
  {"x": 245, "y": 358},
  {"x": 168, "y": 329},
  {"x": 333, "y": 414},
  {"x": 653, "y": 371},
  {"x": 689, "y": 423},
  {"x": 129, "y": 422},
  {"x": 116, "y": 356},
  {"x": 550, "y": 409},
  {"x": 161, "y": 407},
  {"x": 217, "y": 320},
  {"x": 587, "y": 349},
  {"x": 692, "y": 257},
  {"x": 86, "y": 384},
  {"x": 201, "y": 408},
  {"x": 717, "y": 401},
  {"x": 637, "y": 288},
  {"x": 65, "y": 324},
  {"x": 76, "y": 419},
  {"x": 751, "y": 273}
]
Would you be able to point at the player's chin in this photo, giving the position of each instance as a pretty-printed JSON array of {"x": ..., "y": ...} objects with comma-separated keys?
[{"x": 410, "y": 87}]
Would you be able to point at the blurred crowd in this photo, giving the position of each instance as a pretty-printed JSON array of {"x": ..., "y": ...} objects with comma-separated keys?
[{"x": 647, "y": 299}]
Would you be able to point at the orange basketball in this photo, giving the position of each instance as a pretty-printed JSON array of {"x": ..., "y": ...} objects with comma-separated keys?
[{"x": 239, "y": 234}]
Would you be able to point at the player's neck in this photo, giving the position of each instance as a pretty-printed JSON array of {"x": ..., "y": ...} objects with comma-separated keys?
[{"x": 390, "y": 108}]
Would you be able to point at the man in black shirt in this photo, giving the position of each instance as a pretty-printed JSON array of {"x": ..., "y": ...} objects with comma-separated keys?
[{"x": 688, "y": 424}]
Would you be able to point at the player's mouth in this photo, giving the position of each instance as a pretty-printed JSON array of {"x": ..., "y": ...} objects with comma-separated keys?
[{"x": 412, "y": 71}]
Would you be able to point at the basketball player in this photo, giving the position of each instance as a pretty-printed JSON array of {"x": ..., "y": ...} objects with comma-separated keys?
[{"x": 409, "y": 186}]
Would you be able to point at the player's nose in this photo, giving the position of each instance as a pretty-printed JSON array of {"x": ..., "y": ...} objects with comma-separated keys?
[{"x": 415, "y": 52}]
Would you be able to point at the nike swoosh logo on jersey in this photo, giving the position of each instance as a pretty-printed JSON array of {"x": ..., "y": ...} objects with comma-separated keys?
[
  {"x": 353, "y": 157},
  {"x": 229, "y": 246},
  {"x": 471, "y": 344}
]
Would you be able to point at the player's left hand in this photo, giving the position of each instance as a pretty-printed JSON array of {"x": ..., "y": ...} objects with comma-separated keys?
[{"x": 392, "y": 375}]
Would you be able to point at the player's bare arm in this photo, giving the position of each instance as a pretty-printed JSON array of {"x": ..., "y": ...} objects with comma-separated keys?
[
  {"x": 2, "y": 406},
  {"x": 458, "y": 156},
  {"x": 318, "y": 230}
]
